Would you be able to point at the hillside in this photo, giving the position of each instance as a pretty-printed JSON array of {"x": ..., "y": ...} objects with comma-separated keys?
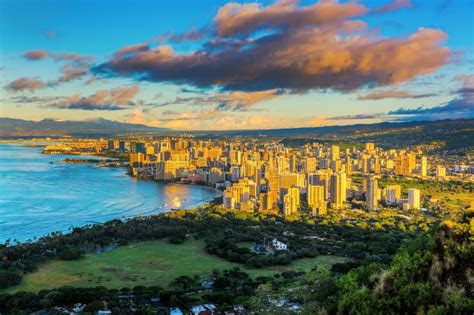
[
  {"x": 49, "y": 127},
  {"x": 448, "y": 134}
]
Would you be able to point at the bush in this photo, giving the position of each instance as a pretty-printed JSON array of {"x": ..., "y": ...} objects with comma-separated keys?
[
  {"x": 176, "y": 239},
  {"x": 70, "y": 253},
  {"x": 9, "y": 278}
]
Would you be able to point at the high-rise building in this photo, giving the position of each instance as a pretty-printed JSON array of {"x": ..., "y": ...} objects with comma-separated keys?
[
  {"x": 348, "y": 166},
  {"x": 414, "y": 198},
  {"x": 369, "y": 147},
  {"x": 122, "y": 146},
  {"x": 374, "y": 165},
  {"x": 216, "y": 175},
  {"x": 268, "y": 201},
  {"x": 237, "y": 195},
  {"x": 111, "y": 145},
  {"x": 337, "y": 190},
  {"x": 393, "y": 194},
  {"x": 364, "y": 165},
  {"x": 321, "y": 178},
  {"x": 137, "y": 147},
  {"x": 404, "y": 164},
  {"x": 335, "y": 152},
  {"x": 273, "y": 177},
  {"x": 291, "y": 201},
  {"x": 287, "y": 180},
  {"x": 336, "y": 165},
  {"x": 440, "y": 172},
  {"x": 372, "y": 195},
  {"x": 315, "y": 195},
  {"x": 411, "y": 162},
  {"x": 310, "y": 165},
  {"x": 423, "y": 166}
]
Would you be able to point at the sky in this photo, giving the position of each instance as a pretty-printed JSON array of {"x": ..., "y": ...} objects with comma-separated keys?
[{"x": 212, "y": 64}]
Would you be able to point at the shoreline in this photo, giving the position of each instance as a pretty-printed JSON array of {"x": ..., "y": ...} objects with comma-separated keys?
[{"x": 125, "y": 212}]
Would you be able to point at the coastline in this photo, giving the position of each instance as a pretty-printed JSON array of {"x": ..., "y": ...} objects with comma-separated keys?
[{"x": 66, "y": 202}]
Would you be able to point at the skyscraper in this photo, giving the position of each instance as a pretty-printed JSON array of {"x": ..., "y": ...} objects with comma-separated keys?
[
  {"x": 372, "y": 195},
  {"x": 423, "y": 166},
  {"x": 273, "y": 177},
  {"x": 337, "y": 190},
  {"x": 315, "y": 195},
  {"x": 291, "y": 201},
  {"x": 334, "y": 152},
  {"x": 393, "y": 194},
  {"x": 322, "y": 178},
  {"x": 414, "y": 198}
]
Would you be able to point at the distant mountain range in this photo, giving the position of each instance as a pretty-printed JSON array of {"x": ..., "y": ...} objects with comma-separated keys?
[
  {"x": 453, "y": 134},
  {"x": 10, "y": 127}
]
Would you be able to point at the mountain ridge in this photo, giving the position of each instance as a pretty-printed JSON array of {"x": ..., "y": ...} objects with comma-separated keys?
[{"x": 11, "y": 127}]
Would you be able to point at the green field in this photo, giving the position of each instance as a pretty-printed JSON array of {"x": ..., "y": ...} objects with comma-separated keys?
[{"x": 148, "y": 264}]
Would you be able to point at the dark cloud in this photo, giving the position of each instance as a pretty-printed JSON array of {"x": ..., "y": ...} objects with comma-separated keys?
[{"x": 287, "y": 47}]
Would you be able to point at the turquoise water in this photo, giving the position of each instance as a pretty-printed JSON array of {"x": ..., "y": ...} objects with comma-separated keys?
[{"x": 37, "y": 197}]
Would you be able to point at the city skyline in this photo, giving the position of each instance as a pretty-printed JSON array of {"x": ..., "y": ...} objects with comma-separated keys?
[{"x": 245, "y": 65}]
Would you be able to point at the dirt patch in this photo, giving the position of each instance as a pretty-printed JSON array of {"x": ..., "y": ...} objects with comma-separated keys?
[{"x": 158, "y": 265}]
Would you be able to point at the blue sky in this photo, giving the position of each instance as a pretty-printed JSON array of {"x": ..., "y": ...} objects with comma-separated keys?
[{"x": 302, "y": 94}]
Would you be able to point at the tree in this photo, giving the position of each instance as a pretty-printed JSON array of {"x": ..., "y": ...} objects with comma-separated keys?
[{"x": 9, "y": 278}]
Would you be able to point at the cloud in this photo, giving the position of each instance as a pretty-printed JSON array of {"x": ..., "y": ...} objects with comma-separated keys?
[
  {"x": 131, "y": 49},
  {"x": 72, "y": 73},
  {"x": 456, "y": 108},
  {"x": 36, "y": 54},
  {"x": 190, "y": 36},
  {"x": 24, "y": 99},
  {"x": 287, "y": 47},
  {"x": 41, "y": 54},
  {"x": 467, "y": 80},
  {"x": 356, "y": 117},
  {"x": 229, "y": 101},
  {"x": 462, "y": 106},
  {"x": 380, "y": 95},
  {"x": 25, "y": 83},
  {"x": 235, "y": 18},
  {"x": 116, "y": 99},
  {"x": 395, "y": 5},
  {"x": 75, "y": 66}
]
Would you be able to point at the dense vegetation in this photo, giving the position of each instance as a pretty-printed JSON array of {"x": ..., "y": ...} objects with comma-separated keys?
[
  {"x": 222, "y": 230},
  {"x": 456, "y": 138},
  {"x": 432, "y": 274}
]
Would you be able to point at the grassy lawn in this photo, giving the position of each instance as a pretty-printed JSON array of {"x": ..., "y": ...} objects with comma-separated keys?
[{"x": 148, "y": 263}]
